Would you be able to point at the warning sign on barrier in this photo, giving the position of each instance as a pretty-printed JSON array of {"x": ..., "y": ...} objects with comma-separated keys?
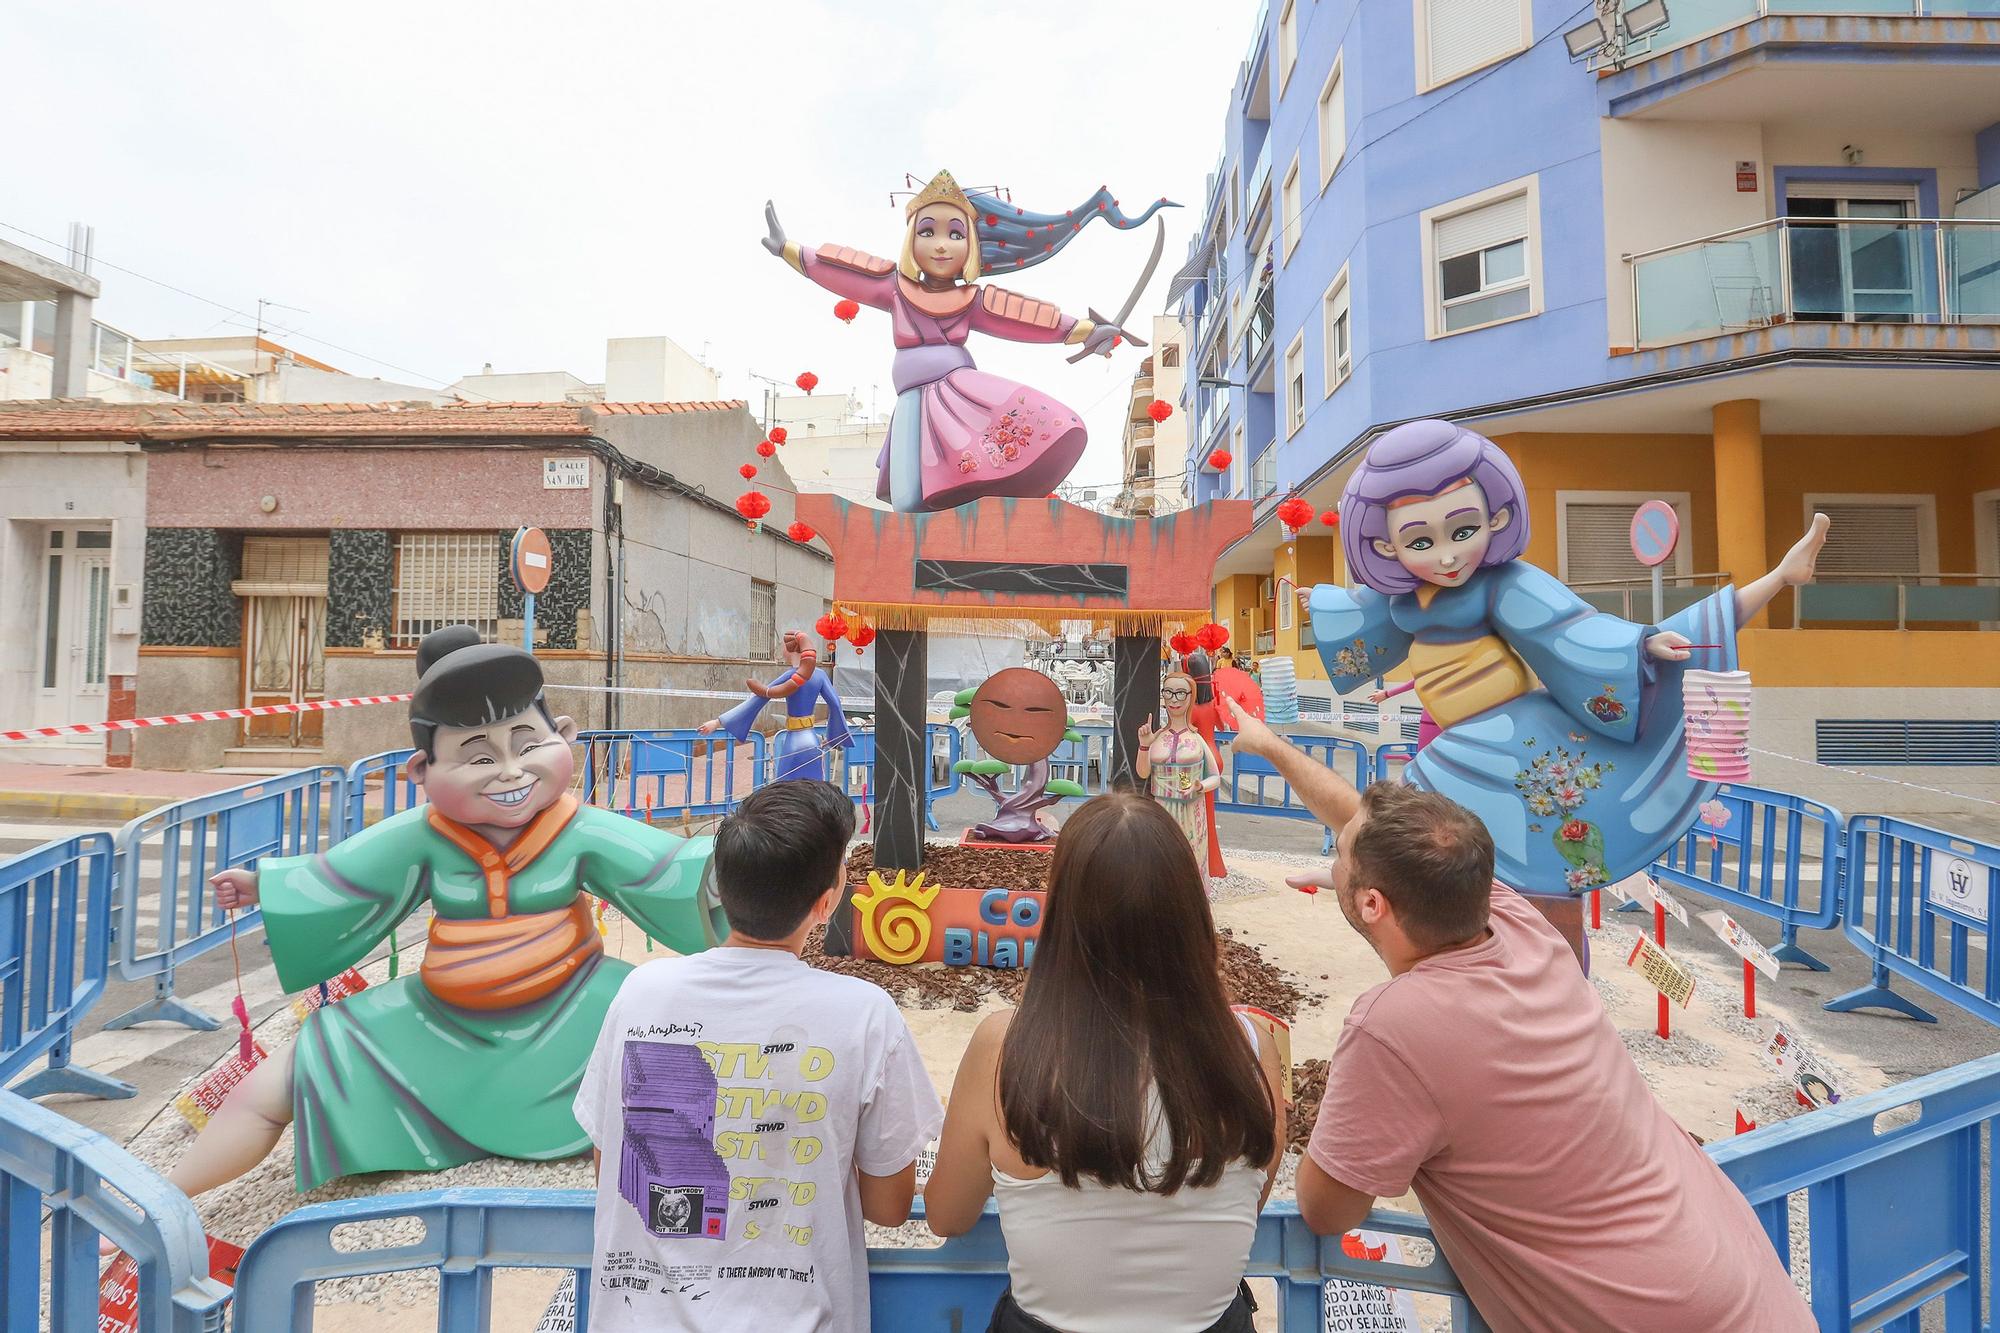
[
  {"x": 560, "y": 1317},
  {"x": 1362, "y": 1307},
  {"x": 1661, "y": 970},
  {"x": 118, "y": 1289}
]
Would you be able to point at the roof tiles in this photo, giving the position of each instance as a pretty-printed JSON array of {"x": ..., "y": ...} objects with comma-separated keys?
[{"x": 57, "y": 419}]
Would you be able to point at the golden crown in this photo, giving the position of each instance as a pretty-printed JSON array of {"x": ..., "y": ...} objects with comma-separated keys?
[{"x": 942, "y": 189}]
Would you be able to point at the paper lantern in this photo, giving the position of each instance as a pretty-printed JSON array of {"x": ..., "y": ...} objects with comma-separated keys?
[
  {"x": 1331, "y": 518},
  {"x": 765, "y": 449},
  {"x": 1295, "y": 513},
  {"x": 1159, "y": 409},
  {"x": 801, "y": 532},
  {"x": 832, "y": 628},
  {"x": 861, "y": 635},
  {"x": 747, "y": 471},
  {"x": 807, "y": 381},
  {"x": 753, "y": 505},
  {"x": 1219, "y": 460},
  {"x": 1182, "y": 643},
  {"x": 1717, "y": 707},
  {"x": 845, "y": 310},
  {"x": 778, "y": 432},
  {"x": 1211, "y": 636}
]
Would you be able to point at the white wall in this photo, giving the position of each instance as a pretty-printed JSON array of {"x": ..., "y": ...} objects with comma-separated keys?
[
  {"x": 26, "y": 374},
  {"x": 294, "y": 383},
  {"x": 1954, "y": 157},
  {"x": 655, "y": 370},
  {"x": 533, "y": 386}
]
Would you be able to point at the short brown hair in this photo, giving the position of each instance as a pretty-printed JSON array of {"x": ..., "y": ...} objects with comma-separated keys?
[{"x": 1430, "y": 857}]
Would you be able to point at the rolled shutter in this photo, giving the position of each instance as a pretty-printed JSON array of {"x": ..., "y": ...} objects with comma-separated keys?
[{"x": 1465, "y": 34}]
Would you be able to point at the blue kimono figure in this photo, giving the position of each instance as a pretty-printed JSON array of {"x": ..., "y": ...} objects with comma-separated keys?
[
  {"x": 799, "y": 752},
  {"x": 1558, "y": 730}
]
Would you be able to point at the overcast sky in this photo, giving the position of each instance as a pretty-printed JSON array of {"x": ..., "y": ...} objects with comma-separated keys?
[{"x": 440, "y": 183}]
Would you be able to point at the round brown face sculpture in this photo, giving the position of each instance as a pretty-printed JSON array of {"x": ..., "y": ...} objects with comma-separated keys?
[{"x": 1019, "y": 716}]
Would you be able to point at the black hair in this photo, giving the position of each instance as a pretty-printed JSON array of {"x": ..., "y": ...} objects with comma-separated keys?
[
  {"x": 462, "y": 682},
  {"x": 778, "y": 853},
  {"x": 1202, "y": 673}
]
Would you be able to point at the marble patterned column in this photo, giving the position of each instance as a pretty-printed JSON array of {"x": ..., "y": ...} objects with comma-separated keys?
[
  {"x": 1135, "y": 698},
  {"x": 902, "y": 766}
]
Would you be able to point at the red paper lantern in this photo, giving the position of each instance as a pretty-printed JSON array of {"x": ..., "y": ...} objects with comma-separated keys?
[
  {"x": 747, "y": 471},
  {"x": 1219, "y": 460},
  {"x": 801, "y": 532},
  {"x": 1331, "y": 518},
  {"x": 845, "y": 310},
  {"x": 861, "y": 635},
  {"x": 1159, "y": 409},
  {"x": 1295, "y": 513},
  {"x": 832, "y": 628},
  {"x": 778, "y": 432},
  {"x": 753, "y": 505},
  {"x": 765, "y": 449},
  {"x": 807, "y": 381},
  {"x": 1182, "y": 643},
  {"x": 1212, "y": 636}
]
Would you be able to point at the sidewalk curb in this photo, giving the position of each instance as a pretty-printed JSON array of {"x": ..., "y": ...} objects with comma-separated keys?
[{"x": 113, "y": 806}]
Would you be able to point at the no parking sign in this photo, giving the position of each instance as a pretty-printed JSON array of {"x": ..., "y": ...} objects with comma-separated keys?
[{"x": 1656, "y": 530}]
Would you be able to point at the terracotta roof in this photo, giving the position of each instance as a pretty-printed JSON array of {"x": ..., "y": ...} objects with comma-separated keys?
[{"x": 87, "y": 419}]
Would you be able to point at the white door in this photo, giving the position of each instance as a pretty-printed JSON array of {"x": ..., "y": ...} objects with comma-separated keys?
[{"x": 75, "y": 624}]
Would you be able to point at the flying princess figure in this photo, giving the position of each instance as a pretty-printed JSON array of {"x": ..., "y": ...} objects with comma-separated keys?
[
  {"x": 958, "y": 433},
  {"x": 1559, "y": 726}
]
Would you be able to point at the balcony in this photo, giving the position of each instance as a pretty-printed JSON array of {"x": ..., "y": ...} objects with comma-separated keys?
[
  {"x": 1261, "y": 321},
  {"x": 1213, "y": 416},
  {"x": 1932, "y": 601},
  {"x": 1827, "y": 271},
  {"x": 1264, "y": 477}
]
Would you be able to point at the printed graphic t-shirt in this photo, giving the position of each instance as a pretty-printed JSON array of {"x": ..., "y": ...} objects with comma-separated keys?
[
  {"x": 731, "y": 1096},
  {"x": 1490, "y": 1080}
]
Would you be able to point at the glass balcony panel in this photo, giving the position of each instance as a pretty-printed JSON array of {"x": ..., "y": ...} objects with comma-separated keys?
[
  {"x": 1862, "y": 271},
  {"x": 1972, "y": 263},
  {"x": 1265, "y": 481}
]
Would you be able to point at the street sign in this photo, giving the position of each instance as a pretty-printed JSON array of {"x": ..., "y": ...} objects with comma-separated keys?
[
  {"x": 1656, "y": 530},
  {"x": 530, "y": 561}
]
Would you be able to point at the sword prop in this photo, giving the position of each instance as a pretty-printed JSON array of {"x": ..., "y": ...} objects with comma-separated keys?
[{"x": 1138, "y": 288}]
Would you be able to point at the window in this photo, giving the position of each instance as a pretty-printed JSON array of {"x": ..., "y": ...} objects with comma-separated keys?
[
  {"x": 1482, "y": 260},
  {"x": 287, "y": 560},
  {"x": 1594, "y": 539},
  {"x": 1288, "y": 42},
  {"x": 1295, "y": 385},
  {"x": 1264, "y": 482},
  {"x": 763, "y": 620},
  {"x": 1170, "y": 355},
  {"x": 1876, "y": 537},
  {"x": 1288, "y": 201},
  {"x": 1456, "y": 37},
  {"x": 446, "y": 578},
  {"x": 1338, "y": 339},
  {"x": 42, "y": 338},
  {"x": 1332, "y": 122}
]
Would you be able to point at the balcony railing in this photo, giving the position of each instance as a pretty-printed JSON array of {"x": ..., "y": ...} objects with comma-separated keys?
[
  {"x": 1214, "y": 413},
  {"x": 1904, "y": 600},
  {"x": 1264, "y": 479},
  {"x": 1260, "y": 179},
  {"x": 1691, "y": 20},
  {"x": 1632, "y": 599},
  {"x": 1261, "y": 321},
  {"x": 1818, "y": 270}
]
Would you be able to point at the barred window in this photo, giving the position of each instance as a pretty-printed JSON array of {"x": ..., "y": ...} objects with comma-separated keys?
[
  {"x": 446, "y": 578},
  {"x": 763, "y": 620}
]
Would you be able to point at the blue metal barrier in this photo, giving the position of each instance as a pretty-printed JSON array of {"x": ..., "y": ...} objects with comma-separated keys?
[
  {"x": 1894, "y": 1209},
  {"x": 399, "y": 791},
  {"x": 293, "y": 815},
  {"x": 854, "y": 767},
  {"x": 1347, "y": 758},
  {"x": 1758, "y": 858},
  {"x": 55, "y": 949},
  {"x": 1918, "y": 900},
  {"x": 90, "y": 1187},
  {"x": 470, "y": 1233},
  {"x": 631, "y": 771},
  {"x": 1392, "y": 758}
]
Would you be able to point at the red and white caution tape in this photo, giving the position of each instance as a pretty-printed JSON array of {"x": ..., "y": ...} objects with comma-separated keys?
[{"x": 218, "y": 715}]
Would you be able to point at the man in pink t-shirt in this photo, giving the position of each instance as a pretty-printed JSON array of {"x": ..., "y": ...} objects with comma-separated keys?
[{"x": 1485, "y": 1075}]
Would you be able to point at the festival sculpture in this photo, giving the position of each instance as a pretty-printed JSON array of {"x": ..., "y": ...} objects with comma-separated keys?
[
  {"x": 1181, "y": 764},
  {"x": 1019, "y": 717},
  {"x": 480, "y": 1053},
  {"x": 958, "y": 433},
  {"x": 1560, "y": 727},
  {"x": 800, "y": 752}
]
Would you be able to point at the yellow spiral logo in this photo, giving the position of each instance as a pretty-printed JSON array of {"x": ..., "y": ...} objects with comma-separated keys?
[{"x": 895, "y": 916}]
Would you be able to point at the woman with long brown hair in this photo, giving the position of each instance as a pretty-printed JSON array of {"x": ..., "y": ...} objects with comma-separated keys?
[{"x": 1127, "y": 1121}]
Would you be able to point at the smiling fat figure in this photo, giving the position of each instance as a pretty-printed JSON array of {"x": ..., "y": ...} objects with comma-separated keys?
[{"x": 1019, "y": 716}]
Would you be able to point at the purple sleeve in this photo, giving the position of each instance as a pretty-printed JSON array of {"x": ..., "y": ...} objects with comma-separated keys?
[{"x": 871, "y": 289}]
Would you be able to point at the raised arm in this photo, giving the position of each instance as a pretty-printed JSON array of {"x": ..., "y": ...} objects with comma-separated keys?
[
  {"x": 838, "y": 268},
  {"x": 1332, "y": 798}
]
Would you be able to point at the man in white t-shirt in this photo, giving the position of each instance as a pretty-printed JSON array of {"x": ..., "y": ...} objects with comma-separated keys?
[{"x": 749, "y": 1111}]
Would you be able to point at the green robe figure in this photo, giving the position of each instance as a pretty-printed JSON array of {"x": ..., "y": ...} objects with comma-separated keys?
[{"x": 480, "y": 1053}]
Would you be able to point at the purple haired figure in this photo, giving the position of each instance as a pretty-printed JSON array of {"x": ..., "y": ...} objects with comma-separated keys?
[
  {"x": 957, "y": 433},
  {"x": 1559, "y": 726}
]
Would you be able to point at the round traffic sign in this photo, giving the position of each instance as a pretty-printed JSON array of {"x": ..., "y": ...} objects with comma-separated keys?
[
  {"x": 530, "y": 561},
  {"x": 1656, "y": 530}
]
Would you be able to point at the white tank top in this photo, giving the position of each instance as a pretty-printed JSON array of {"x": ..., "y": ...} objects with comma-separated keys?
[{"x": 1099, "y": 1260}]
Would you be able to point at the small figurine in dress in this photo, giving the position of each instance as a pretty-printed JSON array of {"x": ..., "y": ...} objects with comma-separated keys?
[
  {"x": 958, "y": 433},
  {"x": 1559, "y": 726},
  {"x": 1181, "y": 768},
  {"x": 1206, "y": 717},
  {"x": 800, "y": 754}
]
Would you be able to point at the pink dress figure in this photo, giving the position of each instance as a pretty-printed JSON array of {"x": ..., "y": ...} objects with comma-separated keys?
[
  {"x": 1426, "y": 729},
  {"x": 957, "y": 433}
]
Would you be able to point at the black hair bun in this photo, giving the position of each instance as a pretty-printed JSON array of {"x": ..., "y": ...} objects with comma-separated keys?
[{"x": 440, "y": 642}]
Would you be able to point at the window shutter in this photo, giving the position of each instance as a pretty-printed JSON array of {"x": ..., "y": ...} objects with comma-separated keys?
[
  {"x": 284, "y": 560},
  {"x": 1465, "y": 34},
  {"x": 446, "y": 578},
  {"x": 1872, "y": 539},
  {"x": 1598, "y": 543},
  {"x": 1480, "y": 228}
]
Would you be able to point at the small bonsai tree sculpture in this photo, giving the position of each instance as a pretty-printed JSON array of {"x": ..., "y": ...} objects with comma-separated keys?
[{"x": 1019, "y": 717}]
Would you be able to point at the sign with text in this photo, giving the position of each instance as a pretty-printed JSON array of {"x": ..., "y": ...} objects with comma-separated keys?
[
  {"x": 330, "y": 991},
  {"x": 1958, "y": 884},
  {"x": 1746, "y": 178},
  {"x": 560, "y": 1317},
  {"x": 118, "y": 1288},
  {"x": 1661, "y": 970},
  {"x": 903, "y": 920},
  {"x": 1362, "y": 1307},
  {"x": 565, "y": 474},
  {"x": 1746, "y": 946},
  {"x": 205, "y": 1098},
  {"x": 1814, "y": 1079}
]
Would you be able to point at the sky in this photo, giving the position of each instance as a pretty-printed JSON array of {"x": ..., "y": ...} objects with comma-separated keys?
[{"x": 438, "y": 184}]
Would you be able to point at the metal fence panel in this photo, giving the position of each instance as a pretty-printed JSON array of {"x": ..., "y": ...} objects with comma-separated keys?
[
  {"x": 1921, "y": 903},
  {"x": 178, "y": 847},
  {"x": 1769, "y": 853},
  {"x": 55, "y": 950},
  {"x": 676, "y": 773},
  {"x": 390, "y": 771}
]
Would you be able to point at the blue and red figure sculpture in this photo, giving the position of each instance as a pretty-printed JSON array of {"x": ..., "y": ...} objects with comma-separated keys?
[{"x": 800, "y": 752}]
